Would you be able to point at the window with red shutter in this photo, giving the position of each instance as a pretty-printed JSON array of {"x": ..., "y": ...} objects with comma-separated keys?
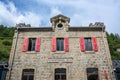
[
  {"x": 25, "y": 44},
  {"x": 88, "y": 44},
  {"x": 82, "y": 45},
  {"x": 66, "y": 44},
  {"x": 60, "y": 44},
  {"x": 54, "y": 44},
  {"x": 95, "y": 46},
  {"x": 37, "y": 47},
  {"x": 31, "y": 44}
]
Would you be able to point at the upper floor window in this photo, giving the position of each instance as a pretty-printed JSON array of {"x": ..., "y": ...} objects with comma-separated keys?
[
  {"x": 88, "y": 44},
  {"x": 60, "y": 74},
  {"x": 28, "y": 74},
  {"x": 92, "y": 74},
  {"x": 60, "y": 44},
  {"x": 31, "y": 44}
]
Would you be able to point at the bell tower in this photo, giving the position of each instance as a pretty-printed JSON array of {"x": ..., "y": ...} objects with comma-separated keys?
[{"x": 60, "y": 22}]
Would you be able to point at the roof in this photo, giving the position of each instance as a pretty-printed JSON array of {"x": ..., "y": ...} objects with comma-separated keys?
[
  {"x": 116, "y": 63},
  {"x": 69, "y": 29},
  {"x": 3, "y": 63},
  {"x": 60, "y": 15}
]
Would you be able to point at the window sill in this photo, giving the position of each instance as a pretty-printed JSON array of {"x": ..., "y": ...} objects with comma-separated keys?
[
  {"x": 89, "y": 52},
  {"x": 31, "y": 52},
  {"x": 60, "y": 52}
]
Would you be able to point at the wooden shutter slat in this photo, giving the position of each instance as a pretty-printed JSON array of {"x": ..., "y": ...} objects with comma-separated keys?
[
  {"x": 95, "y": 46},
  {"x": 25, "y": 44},
  {"x": 38, "y": 42},
  {"x": 66, "y": 44},
  {"x": 54, "y": 44},
  {"x": 82, "y": 44}
]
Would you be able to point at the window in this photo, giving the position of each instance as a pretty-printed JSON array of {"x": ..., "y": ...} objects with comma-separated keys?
[
  {"x": 0, "y": 73},
  {"x": 92, "y": 74},
  {"x": 60, "y": 74},
  {"x": 60, "y": 25},
  {"x": 31, "y": 44},
  {"x": 60, "y": 44},
  {"x": 28, "y": 74},
  {"x": 117, "y": 73},
  {"x": 88, "y": 44}
]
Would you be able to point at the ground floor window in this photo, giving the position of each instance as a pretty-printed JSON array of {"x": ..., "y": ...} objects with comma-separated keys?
[
  {"x": 28, "y": 74},
  {"x": 60, "y": 74},
  {"x": 117, "y": 73},
  {"x": 92, "y": 74}
]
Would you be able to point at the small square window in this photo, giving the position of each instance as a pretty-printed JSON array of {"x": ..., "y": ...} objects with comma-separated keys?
[
  {"x": 28, "y": 74},
  {"x": 60, "y": 74},
  {"x": 60, "y": 44},
  {"x": 31, "y": 44},
  {"x": 88, "y": 44},
  {"x": 92, "y": 74}
]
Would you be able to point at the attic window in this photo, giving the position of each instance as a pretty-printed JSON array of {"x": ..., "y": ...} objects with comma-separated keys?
[{"x": 60, "y": 25}]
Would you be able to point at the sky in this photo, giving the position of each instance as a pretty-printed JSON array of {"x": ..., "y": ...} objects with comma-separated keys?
[{"x": 81, "y": 12}]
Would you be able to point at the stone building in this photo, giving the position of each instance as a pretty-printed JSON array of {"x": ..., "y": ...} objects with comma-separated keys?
[{"x": 60, "y": 52}]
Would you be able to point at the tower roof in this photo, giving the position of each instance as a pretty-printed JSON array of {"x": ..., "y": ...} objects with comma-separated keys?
[{"x": 60, "y": 16}]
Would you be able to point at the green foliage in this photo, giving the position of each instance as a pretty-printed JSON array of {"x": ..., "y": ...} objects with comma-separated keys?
[
  {"x": 7, "y": 43},
  {"x": 114, "y": 44},
  {"x": 6, "y": 37}
]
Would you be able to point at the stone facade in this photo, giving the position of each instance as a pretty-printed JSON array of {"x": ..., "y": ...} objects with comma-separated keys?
[{"x": 74, "y": 61}]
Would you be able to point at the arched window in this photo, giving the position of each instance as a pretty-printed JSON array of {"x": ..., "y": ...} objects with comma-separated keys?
[
  {"x": 60, "y": 74},
  {"x": 92, "y": 74},
  {"x": 28, "y": 74}
]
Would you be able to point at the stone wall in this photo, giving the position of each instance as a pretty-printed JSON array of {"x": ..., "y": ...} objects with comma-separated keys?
[{"x": 76, "y": 68}]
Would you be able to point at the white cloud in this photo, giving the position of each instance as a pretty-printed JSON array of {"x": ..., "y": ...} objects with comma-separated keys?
[
  {"x": 9, "y": 15},
  {"x": 81, "y": 12},
  {"x": 55, "y": 11},
  {"x": 90, "y": 11}
]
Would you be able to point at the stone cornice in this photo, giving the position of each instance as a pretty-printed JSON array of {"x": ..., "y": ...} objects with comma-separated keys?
[
  {"x": 87, "y": 29},
  {"x": 70, "y": 29}
]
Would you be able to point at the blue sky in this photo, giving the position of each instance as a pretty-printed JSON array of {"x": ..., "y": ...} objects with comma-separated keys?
[{"x": 81, "y": 12}]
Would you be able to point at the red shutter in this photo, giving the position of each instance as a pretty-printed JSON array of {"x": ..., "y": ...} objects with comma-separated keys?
[
  {"x": 95, "y": 46},
  {"x": 105, "y": 74},
  {"x": 25, "y": 45},
  {"x": 66, "y": 44},
  {"x": 37, "y": 47},
  {"x": 82, "y": 45},
  {"x": 54, "y": 44}
]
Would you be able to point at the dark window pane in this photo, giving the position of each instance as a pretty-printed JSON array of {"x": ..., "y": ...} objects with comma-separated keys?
[
  {"x": 24, "y": 78},
  {"x": 88, "y": 44},
  {"x": 28, "y": 74},
  {"x": 31, "y": 77},
  {"x": 60, "y": 74},
  {"x": 0, "y": 73},
  {"x": 117, "y": 73},
  {"x": 63, "y": 77},
  {"x": 57, "y": 77},
  {"x": 31, "y": 44},
  {"x": 60, "y": 44},
  {"x": 92, "y": 74},
  {"x": 60, "y": 70}
]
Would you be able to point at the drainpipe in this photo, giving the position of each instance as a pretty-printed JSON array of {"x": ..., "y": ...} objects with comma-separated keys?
[{"x": 11, "y": 63}]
